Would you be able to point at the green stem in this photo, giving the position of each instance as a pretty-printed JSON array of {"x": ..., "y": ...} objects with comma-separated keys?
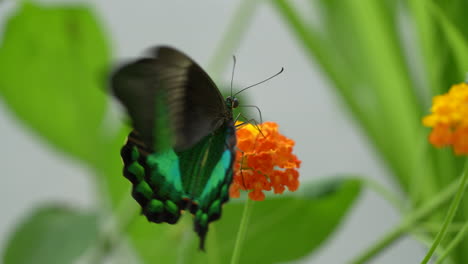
[
  {"x": 387, "y": 240},
  {"x": 232, "y": 36},
  {"x": 421, "y": 235},
  {"x": 434, "y": 227},
  {"x": 214, "y": 257},
  {"x": 185, "y": 242},
  {"x": 450, "y": 215},
  {"x": 409, "y": 222},
  {"x": 242, "y": 231},
  {"x": 114, "y": 228},
  {"x": 456, "y": 240},
  {"x": 388, "y": 195}
]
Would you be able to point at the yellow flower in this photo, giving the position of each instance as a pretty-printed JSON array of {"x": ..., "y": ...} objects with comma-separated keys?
[
  {"x": 264, "y": 161},
  {"x": 449, "y": 119}
]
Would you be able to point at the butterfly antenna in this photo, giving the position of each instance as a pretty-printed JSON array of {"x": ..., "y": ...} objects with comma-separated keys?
[
  {"x": 233, "y": 70},
  {"x": 269, "y": 78}
]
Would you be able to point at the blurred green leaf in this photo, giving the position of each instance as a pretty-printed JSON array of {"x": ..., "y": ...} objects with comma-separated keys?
[
  {"x": 387, "y": 59},
  {"x": 51, "y": 235},
  {"x": 449, "y": 27},
  {"x": 54, "y": 64},
  {"x": 53, "y": 68},
  {"x": 281, "y": 229},
  {"x": 359, "y": 49},
  {"x": 110, "y": 166},
  {"x": 456, "y": 40}
]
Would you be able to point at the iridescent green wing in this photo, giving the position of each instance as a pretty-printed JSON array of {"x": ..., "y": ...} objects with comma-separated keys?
[
  {"x": 206, "y": 171},
  {"x": 196, "y": 179},
  {"x": 156, "y": 180}
]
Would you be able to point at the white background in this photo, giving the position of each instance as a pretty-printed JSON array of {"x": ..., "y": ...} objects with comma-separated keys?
[{"x": 300, "y": 100}]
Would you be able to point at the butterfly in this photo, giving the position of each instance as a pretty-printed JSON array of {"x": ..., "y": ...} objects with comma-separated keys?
[{"x": 180, "y": 153}]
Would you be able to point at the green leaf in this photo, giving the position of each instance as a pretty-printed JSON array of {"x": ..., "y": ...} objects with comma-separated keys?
[
  {"x": 51, "y": 235},
  {"x": 281, "y": 229},
  {"x": 54, "y": 63},
  {"x": 386, "y": 58},
  {"x": 53, "y": 68},
  {"x": 110, "y": 166},
  {"x": 456, "y": 39},
  {"x": 358, "y": 47}
]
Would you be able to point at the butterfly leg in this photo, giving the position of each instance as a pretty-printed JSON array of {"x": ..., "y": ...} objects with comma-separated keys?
[
  {"x": 258, "y": 109},
  {"x": 237, "y": 118},
  {"x": 251, "y": 121},
  {"x": 242, "y": 171}
]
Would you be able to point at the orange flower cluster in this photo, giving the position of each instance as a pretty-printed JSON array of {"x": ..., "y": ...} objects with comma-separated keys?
[
  {"x": 264, "y": 161},
  {"x": 449, "y": 119}
]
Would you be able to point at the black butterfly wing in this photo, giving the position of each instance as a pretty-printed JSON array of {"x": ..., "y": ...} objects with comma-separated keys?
[{"x": 170, "y": 99}]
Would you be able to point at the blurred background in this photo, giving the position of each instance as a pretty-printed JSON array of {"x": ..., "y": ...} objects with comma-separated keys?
[{"x": 300, "y": 100}]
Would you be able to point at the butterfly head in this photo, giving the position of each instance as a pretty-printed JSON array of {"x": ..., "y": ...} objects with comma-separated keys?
[{"x": 232, "y": 102}]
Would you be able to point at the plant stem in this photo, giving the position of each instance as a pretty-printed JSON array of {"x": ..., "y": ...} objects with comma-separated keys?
[
  {"x": 388, "y": 195},
  {"x": 111, "y": 234},
  {"x": 425, "y": 238},
  {"x": 184, "y": 245},
  {"x": 232, "y": 36},
  {"x": 242, "y": 231},
  {"x": 456, "y": 240},
  {"x": 434, "y": 227},
  {"x": 450, "y": 215},
  {"x": 409, "y": 222}
]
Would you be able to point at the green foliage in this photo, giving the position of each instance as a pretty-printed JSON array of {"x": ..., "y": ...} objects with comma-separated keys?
[
  {"x": 54, "y": 81},
  {"x": 386, "y": 59},
  {"x": 281, "y": 229},
  {"x": 51, "y": 234}
]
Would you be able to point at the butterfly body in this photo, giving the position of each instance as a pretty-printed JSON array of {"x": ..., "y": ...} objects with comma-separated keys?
[{"x": 181, "y": 152}]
